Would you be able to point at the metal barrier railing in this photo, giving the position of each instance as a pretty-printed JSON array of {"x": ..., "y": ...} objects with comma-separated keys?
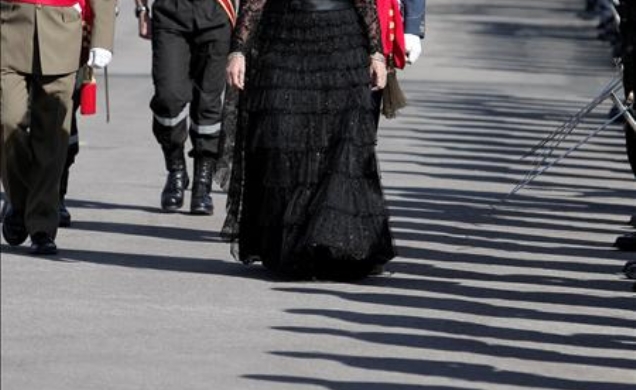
[{"x": 543, "y": 153}]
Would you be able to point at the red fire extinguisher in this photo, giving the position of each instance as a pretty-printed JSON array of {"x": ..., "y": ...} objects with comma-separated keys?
[
  {"x": 88, "y": 88},
  {"x": 88, "y": 92}
]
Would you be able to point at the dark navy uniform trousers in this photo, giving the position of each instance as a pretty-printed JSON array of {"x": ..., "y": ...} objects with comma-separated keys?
[{"x": 190, "y": 43}]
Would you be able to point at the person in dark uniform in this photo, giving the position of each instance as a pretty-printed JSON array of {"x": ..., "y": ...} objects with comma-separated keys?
[
  {"x": 190, "y": 44},
  {"x": 627, "y": 11}
]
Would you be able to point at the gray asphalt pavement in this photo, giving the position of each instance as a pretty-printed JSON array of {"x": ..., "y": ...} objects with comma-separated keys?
[{"x": 526, "y": 294}]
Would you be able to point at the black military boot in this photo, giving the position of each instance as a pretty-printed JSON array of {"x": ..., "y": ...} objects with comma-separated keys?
[
  {"x": 13, "y": 229},
  {"x": 176, "y": 182},
  {"x": 201, "y": 203}
]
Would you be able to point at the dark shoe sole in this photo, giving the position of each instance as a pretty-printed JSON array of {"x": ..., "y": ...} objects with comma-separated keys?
[
  {"x": 201, "y": 211},
  {"x": 64, "y": 223},
  {"x": 46, "y": 250},
  {"x": 170, "y": 209}
]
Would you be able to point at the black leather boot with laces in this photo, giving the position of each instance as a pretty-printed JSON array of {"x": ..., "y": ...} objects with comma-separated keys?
[
  {"x": 201, "y": 203},
  {"x": 176, "y": 182}
]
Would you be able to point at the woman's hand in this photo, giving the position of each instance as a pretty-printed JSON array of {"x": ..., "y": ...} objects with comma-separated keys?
[
  {"x": 378, "y": 71},
  {"x": 235, "y": 70},
  {"x": 144, "y": 25}
]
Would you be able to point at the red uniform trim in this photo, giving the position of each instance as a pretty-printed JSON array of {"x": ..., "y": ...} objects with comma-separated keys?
[
  {"x": 392, "y": 29},
  {"x": 228, "y": 6},
  {"x": 49, "y": 3},
  {"x": 87, "y": 12}
]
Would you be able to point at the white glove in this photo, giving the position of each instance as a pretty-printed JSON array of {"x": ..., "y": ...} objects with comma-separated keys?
[
  {"x": 99, "y": 58},
  {"x": 413, "y": 45}
]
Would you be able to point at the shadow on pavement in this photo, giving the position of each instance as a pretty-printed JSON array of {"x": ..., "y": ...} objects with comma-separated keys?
[
  {"x": 90, "y": 204},
  {"x": 458, "y": 370},
  {"x": 154, "y": 231},
  {"x": 153, "y": 262},
  {"x": 342, "y": 385}
]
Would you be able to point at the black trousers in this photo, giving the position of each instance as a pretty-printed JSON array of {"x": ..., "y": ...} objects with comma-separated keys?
[{"x": 190, "y": 43}]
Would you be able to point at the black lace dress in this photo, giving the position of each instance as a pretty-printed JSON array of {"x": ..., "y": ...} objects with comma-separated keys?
[{"x": 304, "y": 193}]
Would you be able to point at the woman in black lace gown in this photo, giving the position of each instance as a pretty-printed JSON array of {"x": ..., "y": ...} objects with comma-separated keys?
[{"x": 304, "y": 195}]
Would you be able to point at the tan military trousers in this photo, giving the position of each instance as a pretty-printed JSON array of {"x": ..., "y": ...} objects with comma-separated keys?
[{"x": 36, "y": 121}]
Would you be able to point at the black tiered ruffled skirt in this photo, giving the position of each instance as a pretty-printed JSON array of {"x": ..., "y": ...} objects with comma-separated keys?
[{"x": 311, "y": 204}]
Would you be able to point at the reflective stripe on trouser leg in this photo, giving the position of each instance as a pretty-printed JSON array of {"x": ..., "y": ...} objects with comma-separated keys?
[
  {"x": 171, "y": 121},
  {"x": 171, "y": 132},
  {"x": 171, "y": 59},
  {"x": 210, "y": 130}
]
